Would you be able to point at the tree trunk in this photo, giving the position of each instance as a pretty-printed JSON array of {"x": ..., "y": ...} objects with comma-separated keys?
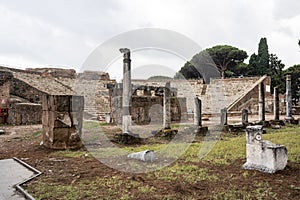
[{"x": 223, "y": 74}]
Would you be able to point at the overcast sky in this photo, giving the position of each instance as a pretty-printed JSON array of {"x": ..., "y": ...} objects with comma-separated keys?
[{"x": 60, "y": 33}]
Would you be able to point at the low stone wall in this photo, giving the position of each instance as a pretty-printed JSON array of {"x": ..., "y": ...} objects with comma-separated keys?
[{"x": 24, "y": 114}]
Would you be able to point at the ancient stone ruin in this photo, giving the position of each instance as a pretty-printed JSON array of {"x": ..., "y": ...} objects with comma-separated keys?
[
  {"x": 28, "y": 86},
  {"x": 263, "y": 155},
  {"x": 62, "y": 121},
  {"x": 146, "y": 105},
  {"x": 23, "y": 90}
]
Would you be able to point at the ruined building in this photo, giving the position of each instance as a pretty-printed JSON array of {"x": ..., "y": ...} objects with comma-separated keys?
[{"x": 22, "y": 91}]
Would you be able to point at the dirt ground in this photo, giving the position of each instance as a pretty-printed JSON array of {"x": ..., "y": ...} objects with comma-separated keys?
[{"x": 23, "y": 142}]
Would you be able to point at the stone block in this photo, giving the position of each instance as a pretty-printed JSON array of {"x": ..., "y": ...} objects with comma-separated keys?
[{"x": 261, "y": 154}]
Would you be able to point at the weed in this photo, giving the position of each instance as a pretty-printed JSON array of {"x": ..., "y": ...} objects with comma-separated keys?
[
  {"x": 146, "y": 189},
  {"x": 37, "y": 133}
]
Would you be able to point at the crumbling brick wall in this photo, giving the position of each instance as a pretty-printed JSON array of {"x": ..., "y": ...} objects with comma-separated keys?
[
  {"x": 5, "y": 78},
  {"x": 54, "y": 72},
  {"x": 24, "y": 114},
  {"x": 149, "y": 109},
  {"x": 4, "y": 94}
]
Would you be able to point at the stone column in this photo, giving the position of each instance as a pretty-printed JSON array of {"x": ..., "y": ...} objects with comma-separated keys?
[
  {"x": 167, "y": 107},
  {"x": 261, "y": 102},
  {"x": 288, "y": 95},
  {"x": 224, "y": 116},
  {"x": 244, "y": 116},
  {"x": 197, "y": 112},
  {"x": 276, "y": 104},
  {"x": 126, "y": 118}
]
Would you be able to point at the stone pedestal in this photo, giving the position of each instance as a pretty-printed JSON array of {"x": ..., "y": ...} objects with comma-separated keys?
[
  {"x": 261, "y": 154},
  {"x": 62, "y": 121}
]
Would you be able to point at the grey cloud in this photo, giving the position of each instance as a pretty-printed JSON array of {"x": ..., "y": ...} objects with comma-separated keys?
[{"x": 286, "y": 8}]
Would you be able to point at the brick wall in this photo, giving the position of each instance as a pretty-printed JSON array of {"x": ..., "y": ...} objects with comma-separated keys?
[
  {"x": 149, "y": 109},
  {"x": 24, "y": 114},
  {"x": 5, "y": 78},
  {"x": 4, "y": 94}
]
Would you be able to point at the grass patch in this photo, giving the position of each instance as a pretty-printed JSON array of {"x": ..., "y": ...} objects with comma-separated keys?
[
  {"x": 262, "y": 190},
  {"x": 289, "y": 137},
  {"x": 90, "y": 124},
  {"x": 37, "y": 133},
  {"x": 189, "y": 170},
  {"x": 226, "y": 151},
  {"x": 232, "y": 148},
  {"x": 187, "y": 173},
  {"x": 101, "y": 188}
]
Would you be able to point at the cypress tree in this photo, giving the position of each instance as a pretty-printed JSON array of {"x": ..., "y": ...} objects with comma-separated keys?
[{"x": 263, "y": 57}]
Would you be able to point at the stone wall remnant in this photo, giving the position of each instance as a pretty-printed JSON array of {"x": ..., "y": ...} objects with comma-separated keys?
[
  {"x": 62, "y": 121},
  {"x": 54, "y": 72},
  {"x": 93, "y": 75},
  {"x": 261, "y": 154},
  {"x": 149, "y": 109},
  {"x": 25, "y": 113}
]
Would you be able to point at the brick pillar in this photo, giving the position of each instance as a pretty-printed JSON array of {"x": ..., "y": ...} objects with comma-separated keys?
[{"x": 62, "y": 121}]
